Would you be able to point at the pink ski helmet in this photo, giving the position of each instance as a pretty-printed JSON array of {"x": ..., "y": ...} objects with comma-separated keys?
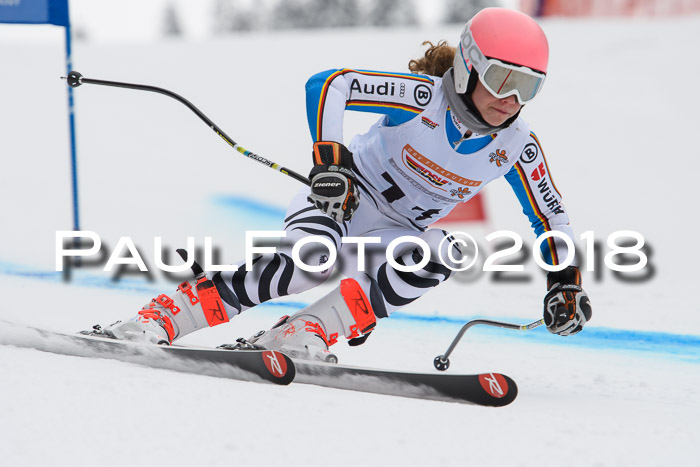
[{"x": 509, "y": 51}]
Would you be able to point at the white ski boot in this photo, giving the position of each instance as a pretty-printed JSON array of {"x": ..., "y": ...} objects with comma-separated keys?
[
  {"x": 194, "y": 305},
  {"x": 309, "y": 333}
]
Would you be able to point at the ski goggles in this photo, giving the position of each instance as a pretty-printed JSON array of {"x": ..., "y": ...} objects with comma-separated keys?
[
  {"x": 501, "y": 79},
  {"x": 504, "y": 80}
]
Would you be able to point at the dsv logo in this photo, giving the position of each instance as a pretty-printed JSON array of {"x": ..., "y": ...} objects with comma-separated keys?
[{"x": 422, "y": 94}]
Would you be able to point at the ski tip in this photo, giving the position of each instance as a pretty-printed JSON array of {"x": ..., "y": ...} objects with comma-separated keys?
[
  {"x": 498, "y": 390},
  {"x": 280, "y": 367}
]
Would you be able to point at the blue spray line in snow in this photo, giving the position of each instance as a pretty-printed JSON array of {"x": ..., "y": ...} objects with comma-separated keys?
[
  {"x": 85, "y": 279},
  {"x": 681, "y": 346},
  {"x": 250, "y": 207}
]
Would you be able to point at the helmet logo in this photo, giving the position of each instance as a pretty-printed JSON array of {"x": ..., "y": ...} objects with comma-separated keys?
[{"x": 473, "y": 53}]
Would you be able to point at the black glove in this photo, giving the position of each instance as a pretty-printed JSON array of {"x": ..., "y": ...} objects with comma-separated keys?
[
  {"x": 333, "y": 188},
  {"x": 566, "y": 306}
]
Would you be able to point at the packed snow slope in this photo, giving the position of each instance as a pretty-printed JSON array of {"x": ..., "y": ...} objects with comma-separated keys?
[{"x": 616, "y": 119}]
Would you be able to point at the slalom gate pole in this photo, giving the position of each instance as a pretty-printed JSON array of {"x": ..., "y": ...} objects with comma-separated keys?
[
  {"x": 442, "y": 362},
  {"x": 75, "y": 79}
]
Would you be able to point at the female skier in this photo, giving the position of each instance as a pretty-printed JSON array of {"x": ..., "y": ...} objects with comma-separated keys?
[{"x": 445, "y": 132}]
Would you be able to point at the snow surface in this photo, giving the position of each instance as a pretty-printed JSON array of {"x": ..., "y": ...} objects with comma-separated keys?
[{"x": 616, "y": 118}]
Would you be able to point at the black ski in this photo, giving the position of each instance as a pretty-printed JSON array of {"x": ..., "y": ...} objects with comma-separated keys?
[
  {"x": 491, "y": 389},
  {"x": 248, "y": 365}
]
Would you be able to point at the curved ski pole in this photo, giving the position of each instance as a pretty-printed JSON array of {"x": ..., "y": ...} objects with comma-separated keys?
[
  {"x": 442, "y": 362},
  {"x": 75, "y": 79}
]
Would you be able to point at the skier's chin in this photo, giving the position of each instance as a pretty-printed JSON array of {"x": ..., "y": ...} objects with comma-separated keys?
[{"x": 495, "y": 117}]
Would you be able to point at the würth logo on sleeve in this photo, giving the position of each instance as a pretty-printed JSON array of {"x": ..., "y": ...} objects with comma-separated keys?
[
  {"x": 499, "y": 157},
  {"x": 538, "y": 173}
]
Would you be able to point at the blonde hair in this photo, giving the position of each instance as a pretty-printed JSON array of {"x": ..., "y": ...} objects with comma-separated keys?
[{"x": 436, "y": 61}]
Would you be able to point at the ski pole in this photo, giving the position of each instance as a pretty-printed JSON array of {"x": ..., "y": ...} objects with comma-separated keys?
[
  {"x": 75, "y": 79},
  {"x": 442, "y": 362}
]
